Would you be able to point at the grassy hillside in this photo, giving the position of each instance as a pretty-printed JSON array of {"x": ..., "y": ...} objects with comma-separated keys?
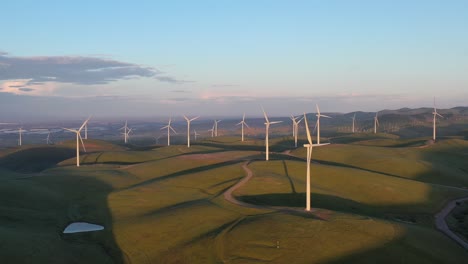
[{"x": 373, "y": 202}]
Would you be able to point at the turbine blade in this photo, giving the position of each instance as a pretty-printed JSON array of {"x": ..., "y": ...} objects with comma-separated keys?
[
  {"x": 82, "y": 143},
  {"x": 164, "y": 127},
  {"x": 275, "y": 122},
  {"x": 246, "y": 125},
  {"x": 315, "y": 128},
  {"x": 84, "y": 124},
  {"x": 173, "y": 129},
  {"x": 318, "y": 110},
  {"x": 71, "y": 130},
  {"x": 266, "y": 118},
  {"x": 325, "y": 116},
  {"x": 243, "y": 117},
  {"x": 439, "y": 115},
  {"x": 194, "y": 118},
  {"x": 186, "y": 118},
  {"x": 309, "y": 138}
]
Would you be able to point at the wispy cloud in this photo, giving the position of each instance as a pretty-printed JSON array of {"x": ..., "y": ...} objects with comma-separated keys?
[
  {"x": 171, "y": 80},
  {"x": 70, "y": 69}
]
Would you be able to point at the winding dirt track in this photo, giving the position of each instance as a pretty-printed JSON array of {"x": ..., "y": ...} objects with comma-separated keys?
[{"x": 441, "y": 224}]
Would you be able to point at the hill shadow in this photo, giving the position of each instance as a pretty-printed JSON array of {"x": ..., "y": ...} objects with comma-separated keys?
[
  {"x": 35, "y": 159},
  {"x": 44, "y": 206}
]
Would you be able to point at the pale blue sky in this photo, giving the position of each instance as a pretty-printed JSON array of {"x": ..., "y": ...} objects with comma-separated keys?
[{"x": 214, "y": 56}]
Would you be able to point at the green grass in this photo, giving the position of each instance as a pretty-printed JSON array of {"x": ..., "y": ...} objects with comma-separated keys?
[{"x": 165, "y": 205}]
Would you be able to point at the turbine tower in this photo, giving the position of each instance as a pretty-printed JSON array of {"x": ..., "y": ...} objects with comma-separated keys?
[
  {"x": 169, "y": 128},
  {"x": 216, "y": 127},
  {"x": 318, "y": 123},
  {"x": 434, "y": 121},
  {"x": 20, "y": 136},
  {"x": 354, "y": 120},
  {"x": 242, "y": 123},
  {"x": 267, "y": 128},
  {"x": 376, "y": 123},
  {"x": 309, "y": 156},
  {"x": 295, "y": 128},
  {"x": 188, "y": 129},
  {"x": 78, "y": 139}
]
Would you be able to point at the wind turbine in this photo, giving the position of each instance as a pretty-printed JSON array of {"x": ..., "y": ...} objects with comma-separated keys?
[
  {"x": 318, "y": 123},
  {"x": 354, "y": 119},
  {"x": 20, "y": 136},
  {"x": 125, "y": 133},
  {"x": 48, "y": 138},
  {"x": 86, "y": 130},
  {"x": 295, "y": 128},
  {"x": 212, "y": 130},
  {"x": 434, "y": 121},
  {"x": 169, "y": 128},
  {"x": 188, "y": 129},
  {"x": 267, "y": 128},
  {"x": 216, "y": 127},
  {"x": 78, "y": 139},
  {"x": 242, "y": 123},
  {"x": 376, "y": 123},
  {"x": 195, "y": 134},
  {"x": 309, "y": 156}
]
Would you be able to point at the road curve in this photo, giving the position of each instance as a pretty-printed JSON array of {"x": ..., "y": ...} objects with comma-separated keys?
[{"x": 441, "y": 224}]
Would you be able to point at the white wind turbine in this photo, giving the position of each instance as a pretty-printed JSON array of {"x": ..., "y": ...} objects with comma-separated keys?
[
  {"x": 216, "y": 127},
  {"x": 20, "y": 131},
  {"x": 354, "y": 120},
  {"x": 242, "y": 123},
  {"x": 295, "y": 128},
  {"x": 195, "y": 134},
  {"x": 125, "y": 133},
  {"x": 78, "y": 139},
  {"x": 267, "y": 128},
  {"x": 212, "y": 130},
  {"x": 169, "y": 128},
  {"x": 376, "y": 123},
  {"x": 318, "y": 123},
  {"x": 86, "y": 129},
  {"x": 48, "y": 138},
  {"x": 188, "y": 129},
  {"x": 434, "y": 121},
  {"x": 309, "y": 157}
]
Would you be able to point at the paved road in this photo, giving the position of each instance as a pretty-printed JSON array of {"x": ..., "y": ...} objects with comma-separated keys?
[{"x": 442, "y": 224}]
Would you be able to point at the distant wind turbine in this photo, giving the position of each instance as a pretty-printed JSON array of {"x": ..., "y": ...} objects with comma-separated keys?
[
  {"x": 47, "y": 139},
  {"x": 212, "y": 130},
  {"x": 354, "y": 120},
  {"x": 376, "y": 122},
  {"x": 86, "y": 130},
  {"x": 20, "y": 136},
  {"x": 188, "y": 129},
  {"x": 309, "y": 147},
  {"x": 295, "y": 128},
  {"x": 169, "y": 128},
  {"x": 318, "y": 123},
  {"x": 267, "y": 128},
  {"x": 242, "y": 123},
  {"x": 434, "y": 121},
  {"x": 78, "y": 139},
  {"x": 216, "y": 127},
  {"x": 195, "y": 134},
  {"x": 125, "y": 133}
]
